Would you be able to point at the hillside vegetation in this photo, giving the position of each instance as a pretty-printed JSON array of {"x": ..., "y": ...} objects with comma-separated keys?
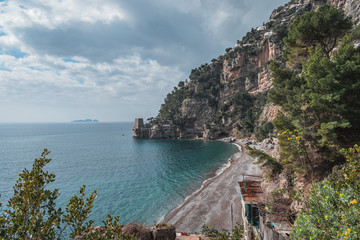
[
  {"x": 311, "y": 51},
  {"x": 233, "y": 88},
  {"x": 318, "y": 90}
]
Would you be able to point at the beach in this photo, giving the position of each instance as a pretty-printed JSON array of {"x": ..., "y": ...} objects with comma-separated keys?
[{"x": 218, "y": 202}]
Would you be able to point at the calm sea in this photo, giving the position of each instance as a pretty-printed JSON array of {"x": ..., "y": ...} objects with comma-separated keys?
[{"x": 137, "y": 179}]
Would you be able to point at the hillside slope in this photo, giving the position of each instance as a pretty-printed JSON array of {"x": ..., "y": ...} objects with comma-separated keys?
[{"x": 228, "y": 97}]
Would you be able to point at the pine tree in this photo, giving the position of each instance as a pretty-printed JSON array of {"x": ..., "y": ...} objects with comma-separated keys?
[{"x": 323, "y": 28}]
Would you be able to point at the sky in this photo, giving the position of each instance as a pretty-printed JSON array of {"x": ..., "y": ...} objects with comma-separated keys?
[{"x": 111, "y": 60}]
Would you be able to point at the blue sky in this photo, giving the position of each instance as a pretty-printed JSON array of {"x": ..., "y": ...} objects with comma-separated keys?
[{"x": 112, "y": 60}]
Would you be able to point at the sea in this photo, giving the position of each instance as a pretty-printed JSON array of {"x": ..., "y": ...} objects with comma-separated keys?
[{"x": 139, "y": 180}]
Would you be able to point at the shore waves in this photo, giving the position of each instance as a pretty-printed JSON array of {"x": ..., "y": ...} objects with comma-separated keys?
[{"x": 218, "y": 199}]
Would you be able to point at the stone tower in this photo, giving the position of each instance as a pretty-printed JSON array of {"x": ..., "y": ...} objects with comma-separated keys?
[
  {"x": 139, "y": 123},
  {"x": 140, "y": 130}
]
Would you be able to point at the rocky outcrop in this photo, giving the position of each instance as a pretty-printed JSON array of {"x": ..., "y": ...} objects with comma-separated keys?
[
  {"x": 138, "y": 231},
  {"x": 195, "y": 113},
  {"x": 269, "y": 113},
  {"x": 160, "y": 231},
  {"x": 165, "y": 130},
  {"x": 140, "y": 130},
  {"x": 164, "y": 232},
  {"x": 269, "y": 51},
  {"x": 350, "y": 7},
  {"x": 209, "y": 105},
  {"x": 247, "y": 70}
]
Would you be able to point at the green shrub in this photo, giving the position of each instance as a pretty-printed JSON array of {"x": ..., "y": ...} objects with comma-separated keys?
[
  {"x": 264, "y": 131},
  {"x": 270, "y": 165},
  {"x": 32, "y": 212},
  {"x": 333, "y": 206},
  {"x": 211, "y": 233}
]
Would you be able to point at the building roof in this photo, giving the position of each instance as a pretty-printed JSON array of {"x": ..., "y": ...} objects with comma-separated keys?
[{"x": 251, "y": 191}]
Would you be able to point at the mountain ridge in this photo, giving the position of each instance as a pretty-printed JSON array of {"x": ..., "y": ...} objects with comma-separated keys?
[{"x": 228, "y": 97}]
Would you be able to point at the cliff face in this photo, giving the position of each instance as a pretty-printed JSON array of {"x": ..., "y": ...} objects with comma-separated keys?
[
  {"x": 228, "y": 97},
  {"x": 351, "y": 8}
]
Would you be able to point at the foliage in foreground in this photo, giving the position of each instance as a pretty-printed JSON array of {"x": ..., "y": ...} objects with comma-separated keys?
[
  {"x": 269, "y": 164},
  {"x": 32, "y": 212},
  {"x": 320, "y": 97},
  {"x": 237, "y": 233},
  {"x": 333, "y": 208}
]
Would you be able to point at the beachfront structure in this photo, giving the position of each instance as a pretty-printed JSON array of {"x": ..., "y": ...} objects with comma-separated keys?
[
  {"x": 254, "y": 224},
  {"x": 251, "y": 195},
  {"x": 140, "y": 130}
]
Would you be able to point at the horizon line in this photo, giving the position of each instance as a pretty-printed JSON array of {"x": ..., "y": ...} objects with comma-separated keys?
[{"x": 125, "y": 121}]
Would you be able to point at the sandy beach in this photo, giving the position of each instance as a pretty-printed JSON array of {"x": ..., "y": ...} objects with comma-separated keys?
[{"x": 212, "y": 204}]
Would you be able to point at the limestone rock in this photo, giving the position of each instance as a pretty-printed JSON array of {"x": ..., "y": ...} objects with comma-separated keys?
[
  {"x": 207, "y": 111},
  {"x": 269, "y": 113},
  {"x": 138, "y": 231},
  {"x": 351, "y": 8},
  {"x": 164, "y": 232}
]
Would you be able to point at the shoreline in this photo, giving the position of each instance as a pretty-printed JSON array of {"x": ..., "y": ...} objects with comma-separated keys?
[
  {"x": 216, "y": 173},
  {"x": 211, "y": 204}
]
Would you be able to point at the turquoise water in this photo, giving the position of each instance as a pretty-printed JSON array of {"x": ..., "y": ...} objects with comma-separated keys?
[{"x": 137, "y": 179}]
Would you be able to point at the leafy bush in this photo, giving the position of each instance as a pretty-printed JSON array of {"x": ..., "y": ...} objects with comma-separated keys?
[
  {"x": 332, "y": 208},
  {"x": 32, "y": 212},
  {"x": 264, "y": 131},
  {"x": 293, "y": 153},
  {"x": 356, "y": 33},
  {"x": 320, "y": 98},
  {"x": 322, "y": 28},
  {"x": 246, "y": 109},
  {"x": 285, "y": 14},
  {"x": 211, "y": 233},
  {"x": 271, "y": 166}
]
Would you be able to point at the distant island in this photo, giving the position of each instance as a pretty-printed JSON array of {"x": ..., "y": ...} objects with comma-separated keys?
[{"x": 86, "y": 121}]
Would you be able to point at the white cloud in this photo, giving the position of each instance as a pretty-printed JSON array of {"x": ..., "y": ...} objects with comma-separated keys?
[
  {"x": 60, "y": 13},
  {"x": 114, "y": 58},
  {"x": 51, "y": 15},
  {"x": 9, "y": 41},
  {"x": 40, "y": 79}
]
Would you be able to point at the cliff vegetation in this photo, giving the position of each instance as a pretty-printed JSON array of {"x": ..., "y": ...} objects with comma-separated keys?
[
  {"x": 294, "y": 79},
  {"x": 229, "y": 96},
  {"x": 318, "y": 91}
]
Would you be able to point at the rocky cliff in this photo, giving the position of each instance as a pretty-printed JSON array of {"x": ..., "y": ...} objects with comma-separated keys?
[
  {"x": 228, "y": 97},
  {"x": 351, "y": 8}
]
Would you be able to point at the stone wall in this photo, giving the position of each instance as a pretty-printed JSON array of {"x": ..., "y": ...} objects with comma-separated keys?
[
  {"x": 140, "y": 130},
  {"x": 268, "y": 232}
]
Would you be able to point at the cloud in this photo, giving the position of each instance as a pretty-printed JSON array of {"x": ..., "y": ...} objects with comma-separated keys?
[
  {"x": 101, "y": 31},
  {"x": 52, "y": 82},
  {"x": 112, "y": 58},
  {"x": 53, "y": 14},
  {"x": 35, "y": 78}
]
